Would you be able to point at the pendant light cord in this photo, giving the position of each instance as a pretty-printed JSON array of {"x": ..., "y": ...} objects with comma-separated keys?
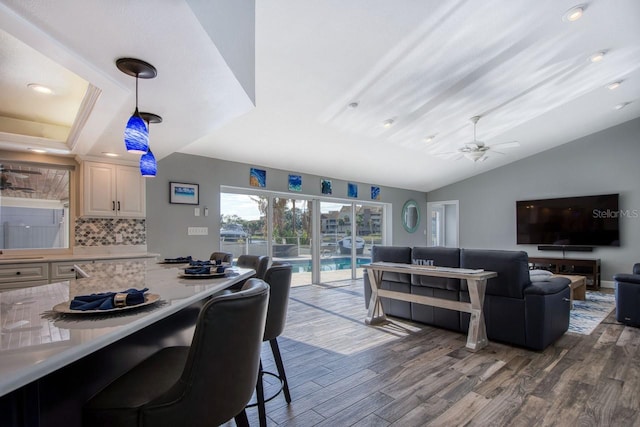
[{"x": 136, "y": 92}]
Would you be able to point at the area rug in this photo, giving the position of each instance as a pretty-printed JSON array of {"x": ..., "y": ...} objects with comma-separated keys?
[{"x": 588, "y": 314}]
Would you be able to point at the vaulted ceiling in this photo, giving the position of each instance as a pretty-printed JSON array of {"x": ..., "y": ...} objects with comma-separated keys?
[{"x": 327, "y": 76}]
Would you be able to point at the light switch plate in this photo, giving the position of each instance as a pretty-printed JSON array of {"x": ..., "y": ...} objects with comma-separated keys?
[{"x": 196, "y": 211}]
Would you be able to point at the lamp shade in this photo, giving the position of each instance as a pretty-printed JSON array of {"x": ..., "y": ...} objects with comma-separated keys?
[
  {"x": 136, "y": 135},
  {"x": 148, "y": 165}
]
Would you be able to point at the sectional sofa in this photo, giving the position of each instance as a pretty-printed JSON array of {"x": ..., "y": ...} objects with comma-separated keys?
[{"x": 516, "y": 311}]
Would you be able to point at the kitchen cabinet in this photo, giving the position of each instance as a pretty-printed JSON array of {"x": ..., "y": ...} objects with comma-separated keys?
[
  {"x": 23, "y": 275},
  {"x": 110, "y": 190},
  {"x": 62, "y": 271}
]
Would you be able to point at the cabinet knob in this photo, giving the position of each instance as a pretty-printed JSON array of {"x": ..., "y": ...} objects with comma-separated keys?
[{"x": 17, "y": 273}]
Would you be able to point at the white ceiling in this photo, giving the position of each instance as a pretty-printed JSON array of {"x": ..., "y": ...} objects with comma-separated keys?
[{"x": 428, "y": 65}]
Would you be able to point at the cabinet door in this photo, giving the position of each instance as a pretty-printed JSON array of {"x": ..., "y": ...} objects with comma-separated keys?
[
  {"x": 99, "y": 189},
  {"x": 131, "y": 200}
]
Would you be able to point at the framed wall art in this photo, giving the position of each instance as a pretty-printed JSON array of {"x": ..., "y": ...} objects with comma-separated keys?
[{"x": 184, "y": 193}]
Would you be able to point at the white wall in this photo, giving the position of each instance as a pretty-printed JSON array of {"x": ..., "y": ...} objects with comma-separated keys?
[
  {"x": 167, "y": 223},
  {"x": 601, "y": 163}
]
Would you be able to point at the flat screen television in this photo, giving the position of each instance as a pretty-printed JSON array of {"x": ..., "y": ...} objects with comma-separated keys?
[{"x": 569, "y": 221}]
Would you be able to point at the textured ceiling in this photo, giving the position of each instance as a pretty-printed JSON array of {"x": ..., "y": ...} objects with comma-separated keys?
[{"x": 427, "y": 65}]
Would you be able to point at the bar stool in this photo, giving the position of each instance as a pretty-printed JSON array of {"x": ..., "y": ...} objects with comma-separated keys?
[
  {"x": 259, "y": 263},
  {"x": 222, "y": 257},
  {"x": 279, "y": 279},
  {"x": 206, "y": 384}
]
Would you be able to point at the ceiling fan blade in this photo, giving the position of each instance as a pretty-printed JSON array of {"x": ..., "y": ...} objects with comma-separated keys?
[{"x": 508, "y": 144}]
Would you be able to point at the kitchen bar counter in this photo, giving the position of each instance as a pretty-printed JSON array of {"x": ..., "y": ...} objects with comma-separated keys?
[{"x": 33, "y": 346}]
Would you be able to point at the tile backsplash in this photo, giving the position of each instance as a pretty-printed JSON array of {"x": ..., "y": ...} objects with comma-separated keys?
[{"x": 103, "y": 231}]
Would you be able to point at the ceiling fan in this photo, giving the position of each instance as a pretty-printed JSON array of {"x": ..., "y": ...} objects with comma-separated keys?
[
  {"x": 7, "y": 172},
  {"x": 477, "y": 150}
]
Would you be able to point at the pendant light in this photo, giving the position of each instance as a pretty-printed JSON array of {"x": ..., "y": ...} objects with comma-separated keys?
[
  {"x": 136, "y": 133},
  {"x": 148, "y": 164}
]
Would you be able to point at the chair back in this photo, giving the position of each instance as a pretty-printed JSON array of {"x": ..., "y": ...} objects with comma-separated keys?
[
  {"x": 279, "y": 279},
  {"x": 258, "y": 262},
  {"x": 222, "y": 256},
  {"x": 222, "y": 366}
]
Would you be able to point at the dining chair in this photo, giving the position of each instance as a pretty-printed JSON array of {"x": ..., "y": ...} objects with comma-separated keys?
[
  {"x": 205, "y": 384},
  {"x": 222, "y": 256},
  {"x": 279, "y": 279}
]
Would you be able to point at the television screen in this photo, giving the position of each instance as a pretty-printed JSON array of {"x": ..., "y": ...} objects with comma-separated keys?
[{"x": 583, "y": 221}]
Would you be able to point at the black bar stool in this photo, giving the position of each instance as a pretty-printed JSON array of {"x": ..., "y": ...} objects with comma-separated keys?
[
  {"x": 204, "y": 384},
  {"x": 279, "y": 279}
]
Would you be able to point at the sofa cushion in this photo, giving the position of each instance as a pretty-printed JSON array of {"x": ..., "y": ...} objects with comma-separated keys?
[
  {"x": 399, "y": 254},
  {"x": 512, "y": 268},
  {"x": 442, "y": 257}
]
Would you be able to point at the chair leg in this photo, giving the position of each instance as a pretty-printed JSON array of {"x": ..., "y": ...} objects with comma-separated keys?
[
  {"x": 241, "y": 419},
  {"x": 262, "y": 412},
  {"x": 278, "y": 358}
]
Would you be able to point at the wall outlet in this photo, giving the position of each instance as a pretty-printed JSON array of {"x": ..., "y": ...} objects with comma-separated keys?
[
  {"x": 198, "y": 231},
  {"x": 118, "y": 237}
]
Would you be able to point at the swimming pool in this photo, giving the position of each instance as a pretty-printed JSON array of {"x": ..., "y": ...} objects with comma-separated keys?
[{"x": 326, "y": 264}]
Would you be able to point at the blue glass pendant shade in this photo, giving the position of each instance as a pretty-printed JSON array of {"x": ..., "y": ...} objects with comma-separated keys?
[
  {"x": 148, "y": 165},
  {"x": 136, "y": 135}
]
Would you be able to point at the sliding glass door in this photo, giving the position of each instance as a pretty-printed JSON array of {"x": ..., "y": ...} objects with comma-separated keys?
[{"x": 283, "y": 228}]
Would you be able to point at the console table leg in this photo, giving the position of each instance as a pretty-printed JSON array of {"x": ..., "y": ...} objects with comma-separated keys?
[
  {"x": 477, "y": 336},
  {"x": 375, "y": 315}
]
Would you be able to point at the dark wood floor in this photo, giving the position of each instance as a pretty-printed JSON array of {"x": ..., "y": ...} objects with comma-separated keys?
[{"x": 344, "y": 373}]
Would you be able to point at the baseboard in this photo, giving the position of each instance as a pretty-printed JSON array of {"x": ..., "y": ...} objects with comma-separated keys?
[{"x": 609, "y": 284}]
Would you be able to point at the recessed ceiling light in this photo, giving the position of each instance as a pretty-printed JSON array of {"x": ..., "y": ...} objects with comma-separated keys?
[
  {"x": 37, "y": 150},
  {"x": 621, "y": 105},
  {"x": 614, "y": 85},
  {"x": 353, "y": 105},
  {"x": 108, "y": 154},
  {"x": 387, "y": 123},
  {"x": 598, "y": 56},
  {"x": 574, "y": 13},
  {"x": 40, "y": 88}
]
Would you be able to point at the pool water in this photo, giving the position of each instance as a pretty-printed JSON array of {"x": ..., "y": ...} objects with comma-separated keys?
[{"x": 326, "y": 264}]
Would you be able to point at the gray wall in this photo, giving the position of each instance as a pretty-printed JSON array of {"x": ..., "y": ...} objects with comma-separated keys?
[
  {"x": 167, "y": 223},
  {"x": 601, "y": 163}
]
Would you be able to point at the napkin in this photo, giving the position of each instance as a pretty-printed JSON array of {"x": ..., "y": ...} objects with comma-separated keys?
[
  {"x": 179, "y": 259},
  {"x": 198, "y": 270},
  {"x": 105, "y": 300},
  {"x": 200, "y": 263}
]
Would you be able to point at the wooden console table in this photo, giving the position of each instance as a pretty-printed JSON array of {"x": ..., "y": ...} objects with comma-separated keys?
[
  {"x": 476, "y": 282},
  {"x": 589, "y": 268}
]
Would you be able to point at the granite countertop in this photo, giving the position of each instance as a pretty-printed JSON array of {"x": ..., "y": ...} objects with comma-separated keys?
[{"x": 37, "y": 341}]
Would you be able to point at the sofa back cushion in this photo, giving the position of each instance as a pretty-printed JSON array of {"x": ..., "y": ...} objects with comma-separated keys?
[
  {"x": 512, "y": 268},
  {"x": 399, "y": 254},
  {"x": 442, "y": 257}
]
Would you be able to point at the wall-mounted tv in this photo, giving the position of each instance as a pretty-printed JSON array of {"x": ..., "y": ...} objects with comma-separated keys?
[{"x": 569, "y": 221}]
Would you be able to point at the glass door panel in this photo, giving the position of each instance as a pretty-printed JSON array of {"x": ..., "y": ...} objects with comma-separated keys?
[
  {"x": 291, "y": 230},
  {"x": 335, "y": 241},
  {"x": 369, "y": 220},
  {"x": 243, "y": 226}
]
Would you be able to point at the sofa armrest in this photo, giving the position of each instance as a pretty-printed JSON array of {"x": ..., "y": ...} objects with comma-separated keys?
[
  {"x": 636, "y": 268},
  {"x": 627, "y": 278},
  {"x": 547, "y": 287}
]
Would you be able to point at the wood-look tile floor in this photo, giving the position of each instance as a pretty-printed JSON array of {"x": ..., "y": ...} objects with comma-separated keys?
[{"x": 344, "y": 373}]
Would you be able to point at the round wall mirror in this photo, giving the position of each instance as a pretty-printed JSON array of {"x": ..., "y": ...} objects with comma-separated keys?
[{"x": 411, "y": 216}]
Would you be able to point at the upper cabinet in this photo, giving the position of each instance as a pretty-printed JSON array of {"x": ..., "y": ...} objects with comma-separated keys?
[{"x": 110, "y": 190}]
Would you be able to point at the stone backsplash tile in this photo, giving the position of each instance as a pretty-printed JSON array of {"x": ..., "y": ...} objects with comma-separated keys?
[{"x": 102, "y": 231}]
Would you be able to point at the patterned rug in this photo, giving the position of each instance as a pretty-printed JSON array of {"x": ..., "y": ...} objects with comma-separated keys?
[{"x": 588, "y": 314}]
